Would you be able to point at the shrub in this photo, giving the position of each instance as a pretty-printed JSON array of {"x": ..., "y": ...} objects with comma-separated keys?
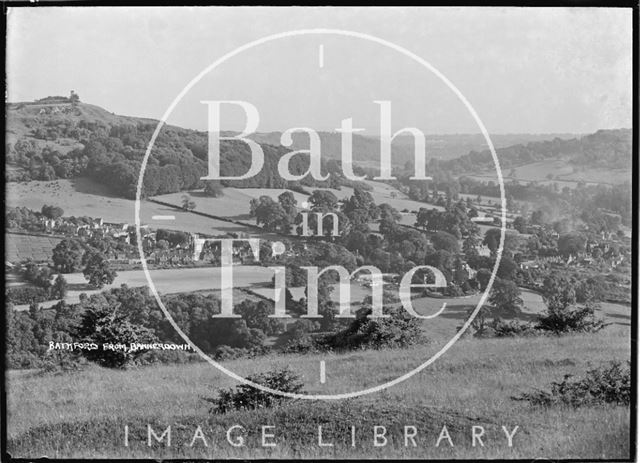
[
  {"x": 246, "y": 397},
  {"x": 302, "y": 345},
  {"x": 399, "y": 330},
  {"x": 510, "y": 328},
  {"x": 565, "y": 319},
  {"x": 607, "y": 384},
  {"x": 487, "y": 325}
]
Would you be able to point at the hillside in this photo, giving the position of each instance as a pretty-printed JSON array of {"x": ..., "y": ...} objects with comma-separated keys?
[
  {"x": 366, "y": 149},
  {"x": 54, "y": 139},
  {"x": 609, "y": 149},
  {"x": 62, "y": 140},
  {"x": 82, "y": 414}
]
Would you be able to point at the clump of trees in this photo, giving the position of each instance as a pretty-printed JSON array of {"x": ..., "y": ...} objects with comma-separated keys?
[
  {"x": 188, "y": 204},
  {"x": 43, "y": 287},
  {"x": 52, "y": 212},
  {"x": 98, "y": 271},
  {"x": 563, "y": 314},
  {"x": 67, "y": 256}
]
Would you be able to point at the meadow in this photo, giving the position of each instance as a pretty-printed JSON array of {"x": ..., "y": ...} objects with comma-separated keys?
[
  {"x": 20, "y": 247},
  {"x": 83, "y": 414},
  {"x": 83, "y": 197},
  {"x": 234, "y": 204},
  {"x": 562, "y": 172}
]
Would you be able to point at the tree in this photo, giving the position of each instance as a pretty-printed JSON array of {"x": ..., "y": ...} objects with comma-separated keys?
[
  {"x": 59, "y": 289},
  {"x": 492, "y": 241},
  {"x": 109, "y": 323},
  {"x": 67, "y": 256},
  {"x": 445, "y": 241},
  {"x": 562, "y": 314},
  {"x": 187, "y": 203},
  {"x": 482, "y": 277},
  {"x": 256, "y": 315},
  {"x": 52, "y": 212},
  {"x": 163, "y": 245},
  {"x": 506, "y": 269},
  {"x": 323, "y": 201},
  {"x": 270, "y": 214},
  {"x": 363, "y": 201},
  {"x": 288, "y": 202},
  {"x": 98, "y": 271},
  {"x": 505, "y": 296},
  {"x": 520, "y": 224},
  {"x": 213, "y": 188},
  {"x": 469, "y": 247},
  {"x": 571, "y": 244}
]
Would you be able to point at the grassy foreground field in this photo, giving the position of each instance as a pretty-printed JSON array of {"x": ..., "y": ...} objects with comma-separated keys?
[{"x": 83, "y": 414}]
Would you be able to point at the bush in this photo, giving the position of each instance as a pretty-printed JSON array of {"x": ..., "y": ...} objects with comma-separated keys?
[
  {"x": 246, "y": 397},
  {"x": 511, "y": 328},
  {"x": 399, "y": 330},
  {"x": 302, "y": 345},
  {"x": 604, "y": 385},
  {"x": 487, "y": 325},
  {"x": 566, "y": 319},
  {"x": 111, "y": 324}
]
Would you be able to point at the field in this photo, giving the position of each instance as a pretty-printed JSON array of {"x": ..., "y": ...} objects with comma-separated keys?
[
  {"x": 21, "y": 247},
  {"x": 235, "y": 202},
  {"x": 564, "y": 174},
  {"x": 83, "y": 414},
  {"x": 166, "y": 281},
  {"x": 84, "y": 197}
]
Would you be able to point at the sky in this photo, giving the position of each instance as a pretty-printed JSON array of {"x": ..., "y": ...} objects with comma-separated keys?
[{"x": 523, "y": 70}]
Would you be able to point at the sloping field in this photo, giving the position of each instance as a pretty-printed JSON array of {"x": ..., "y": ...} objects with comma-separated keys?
[
  {"x": 83, "y": 414},
  {"x": 85, "y": 197},
  {"x": 234, "y": 204},
  {"x": 20, "y": 247},
  {"x": 563, "y": 173}
]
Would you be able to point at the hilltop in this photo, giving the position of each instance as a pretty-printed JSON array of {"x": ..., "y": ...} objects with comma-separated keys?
[{"x": 58, "y": 138}]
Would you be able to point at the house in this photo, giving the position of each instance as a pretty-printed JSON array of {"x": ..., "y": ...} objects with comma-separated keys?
[{"x": 529, "y": 264}]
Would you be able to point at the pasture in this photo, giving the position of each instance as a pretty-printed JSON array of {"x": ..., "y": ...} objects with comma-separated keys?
[
  {"x": 84, "y": 197},
  {"x": 166, "y": 281},
  {"x": 561, "y": 172},
  {"x": 19, "y": 247},
  {"x": 83, "y": 414}
]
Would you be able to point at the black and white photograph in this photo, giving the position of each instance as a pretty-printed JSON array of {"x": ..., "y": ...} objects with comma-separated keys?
[{"x": 320, "y": 233}]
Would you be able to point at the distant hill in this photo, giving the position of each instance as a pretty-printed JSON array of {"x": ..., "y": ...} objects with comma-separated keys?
[
  {"x": 366, "y": 149},
  {"x": 605, "y": 148},
  {"x": 60, "y": 137},
  {"x": 53, "y": 138}
]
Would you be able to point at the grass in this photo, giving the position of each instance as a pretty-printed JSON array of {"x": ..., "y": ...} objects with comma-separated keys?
[
  {"x": 563, "y": 172},
  {"x": 85, "y": 197},
  {"x": 83, "y": 414},
  {"x": 21, "y": 247}
]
